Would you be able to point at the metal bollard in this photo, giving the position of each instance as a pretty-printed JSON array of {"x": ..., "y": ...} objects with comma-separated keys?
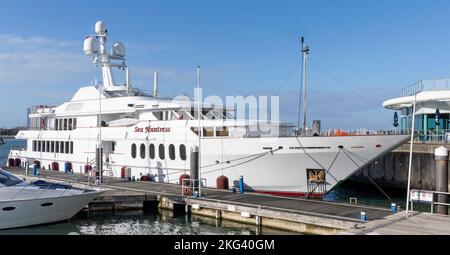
[
  {"x": 241, "y": 184},
  {"x": 27, "y": 168},
  {"x": 233, "y": 190},
  {"x": 393, "y": 207},
  {"x": 363, "y": 216}
]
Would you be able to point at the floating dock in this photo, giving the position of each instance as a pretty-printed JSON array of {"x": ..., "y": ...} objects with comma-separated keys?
[{"x": 284, "y": 213}]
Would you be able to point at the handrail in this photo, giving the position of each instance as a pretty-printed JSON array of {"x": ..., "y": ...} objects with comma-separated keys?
[{"x": 433, "y": 202}]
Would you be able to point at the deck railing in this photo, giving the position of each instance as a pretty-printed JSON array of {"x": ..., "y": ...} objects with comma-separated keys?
[{"x": 441, "y": 84}]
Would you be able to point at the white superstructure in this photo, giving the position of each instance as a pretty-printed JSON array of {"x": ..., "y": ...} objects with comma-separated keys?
[{"x": 153, "y": 137}]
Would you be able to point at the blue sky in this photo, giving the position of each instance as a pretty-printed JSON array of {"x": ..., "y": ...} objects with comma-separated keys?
[{"x": 375, "y": 48}]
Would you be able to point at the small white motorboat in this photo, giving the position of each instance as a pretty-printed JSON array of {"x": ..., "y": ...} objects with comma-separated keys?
[{"x": 25, "y": 203}]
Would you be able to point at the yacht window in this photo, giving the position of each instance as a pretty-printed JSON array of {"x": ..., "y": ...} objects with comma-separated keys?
[
  {"x": 70, "y": 124},
  {"x": 8, "y": 179},
  {"x": 158, "y": 115},
  {"x": 43, "y": 146},
  {"x": 52, "y": 146},
  {"x": 222, "y": 131},
  {"x": 172, "y": 152},
  {"x": 75, "y": 123},
  {"x": 34, "y": 145},
  {"x": 133, "y": 150},
  {"x": 61, "y": 147},
  {"x": 39, "y": 146},
  {"x": 183, "y": 152},
  {"x": 142, "y": 151},
  {"x": 65, "y": 124},
  {"x": 195, "y": 130},
  {"x": 71, "y": 147},
  {"x": 208, "y": 132},
  {"x": 47, "y": 146},
  {"x": 57, "y": 147},
  {"x": 162, "y": 154},
  {"x": 113, "y": 146},
  {"x": 67, "y": 148},
  {"x": 152, "y": 151},
  {"x": 56, "y": 124}
]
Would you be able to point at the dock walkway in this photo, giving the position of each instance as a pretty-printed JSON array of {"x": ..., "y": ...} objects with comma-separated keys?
[{"x": 295, "y": 214}]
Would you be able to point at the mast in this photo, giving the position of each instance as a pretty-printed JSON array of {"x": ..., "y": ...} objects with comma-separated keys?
[
  {"x": 305, "y": 52},
  {"x": 200, "y": 130}
]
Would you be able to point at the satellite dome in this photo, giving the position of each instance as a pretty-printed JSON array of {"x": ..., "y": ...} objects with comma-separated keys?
[
  {"x": 100, "y": 27},
  {"x": 91, "y": 46},
  {"x": 118, "y": 49}
]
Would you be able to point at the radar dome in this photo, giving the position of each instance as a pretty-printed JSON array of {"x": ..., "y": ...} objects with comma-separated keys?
[
  {"x": 91, "y": 46},
  {"x": 118, "y": 49},
  {"x": 100, "y": 27}
]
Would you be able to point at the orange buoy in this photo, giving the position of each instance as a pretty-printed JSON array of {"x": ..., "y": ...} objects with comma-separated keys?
[
  {"x": 11, "y": 162},
  {"x": 222, "y": 182},
  {"x": 183, "y": 177},
  {"x": 17, "y": 162},
  {"x": 55, "y": 166}
]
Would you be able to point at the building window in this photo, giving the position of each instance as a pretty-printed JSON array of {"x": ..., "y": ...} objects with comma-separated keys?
[
  {"x": 142, "y": 151},
  {"x": 161, "y": 151},
  {"x": 152, "y": 151},
  {"x": 133, "y": 150},
  {"x": 172, "y": 152},
  {"x": 183, "y": 152}
]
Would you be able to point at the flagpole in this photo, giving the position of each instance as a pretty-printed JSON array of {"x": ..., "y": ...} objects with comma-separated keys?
[{"x": 410, "y": 156}]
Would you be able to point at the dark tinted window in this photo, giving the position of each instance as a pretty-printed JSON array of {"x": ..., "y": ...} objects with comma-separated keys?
[
  {"x": 162, "y": 154},
  {"x": 133, "y": 150},
  {"x": 172, "y": 152},
  {"x": 142, "y": 151},
  {"x": 183, "y": 152},
  {"x": 152, "y": 151}
]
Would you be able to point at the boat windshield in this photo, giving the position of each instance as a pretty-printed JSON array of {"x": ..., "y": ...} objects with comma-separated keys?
[{"x": 8, "y": 179}]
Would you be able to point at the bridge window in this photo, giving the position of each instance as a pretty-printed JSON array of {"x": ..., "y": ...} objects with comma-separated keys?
[
  {"x": 222, "y": 131},
  {"x": 183, "y": 152},
  {"x": 172, "y": 152},
  {"x": 133, "y": 150},
  {"x": 142, "y": 151},
  {"x": 152, "y": 151},
  {"x": 162, "y": 154}
]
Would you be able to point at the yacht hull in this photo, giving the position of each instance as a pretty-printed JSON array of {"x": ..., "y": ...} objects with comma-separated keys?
[{"x": 29, "y": 212}]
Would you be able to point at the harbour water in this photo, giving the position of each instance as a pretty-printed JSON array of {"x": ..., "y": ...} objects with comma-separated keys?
[{"x": 151, "y": 223}]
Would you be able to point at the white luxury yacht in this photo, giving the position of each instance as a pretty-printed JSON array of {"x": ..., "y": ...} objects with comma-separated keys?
[
  {"x": 150, "y": 136},
  {"x": 32, "y": 203}
]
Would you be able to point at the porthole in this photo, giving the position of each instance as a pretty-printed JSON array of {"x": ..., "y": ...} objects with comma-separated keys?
[
  {"x": 142, "y": 151},
  {"x": 47, "y": 204},
  {"x": 183, "y": 152},
  {"x": 152, "y": 151},
  {"x": 10, "y": 208},
  {"x": 172, "y": 152},
  {"x": 133, "y": 150},
  {"x": 162, "y": 154}
]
